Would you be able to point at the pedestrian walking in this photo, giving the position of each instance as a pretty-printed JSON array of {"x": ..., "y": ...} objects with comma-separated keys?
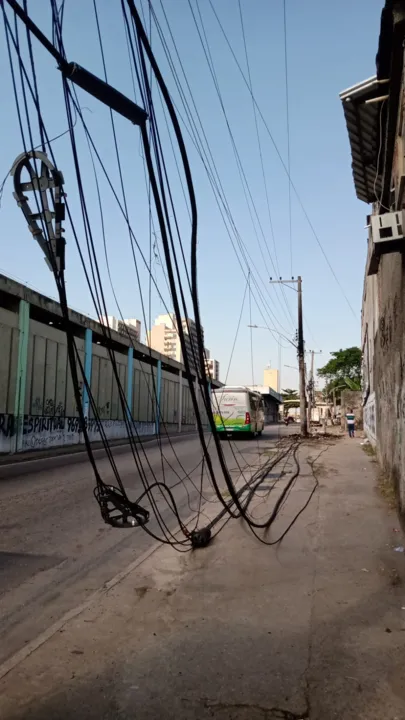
[{"x": 350, "y": 422}]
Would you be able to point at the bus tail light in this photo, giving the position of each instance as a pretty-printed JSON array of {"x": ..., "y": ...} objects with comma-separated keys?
[{"x": 247, "y": 419}]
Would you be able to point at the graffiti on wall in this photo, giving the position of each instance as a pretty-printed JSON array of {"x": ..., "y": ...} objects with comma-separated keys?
[
  {"x": 40, "y": 432},
  {"x": 7, "y": 426},
  {"x": 53, "y": 409},
  {"x": 36, "y": 406},
  {"x": 103, "y": 410},
  {"x": 370, "y": 418},
  {"x": 49, "y": 407}
]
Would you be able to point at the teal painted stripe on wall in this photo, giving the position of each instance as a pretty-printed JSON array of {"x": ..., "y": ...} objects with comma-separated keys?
[
  {"x": 21, "y": 380},
  {"x": 88, "y": 354},
  {"x": 130, "y": 375},
  {"x": 158, "y": 392}
]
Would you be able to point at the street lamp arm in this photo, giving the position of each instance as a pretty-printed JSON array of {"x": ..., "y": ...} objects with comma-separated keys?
[{"x": 263, "y": 327}]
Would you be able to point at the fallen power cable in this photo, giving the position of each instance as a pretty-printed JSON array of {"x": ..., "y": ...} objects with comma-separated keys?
[
  {"x": 45, "y": 218},
  {"x": 202, "y": 537}
]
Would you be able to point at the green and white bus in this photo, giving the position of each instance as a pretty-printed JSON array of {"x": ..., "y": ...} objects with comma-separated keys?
[{"x": 238, "y": 409}]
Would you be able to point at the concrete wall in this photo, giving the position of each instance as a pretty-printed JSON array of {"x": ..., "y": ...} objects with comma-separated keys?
[
  {"x": 389, "y": 370},
  {"x": 9, "y": 336},
  {"x": 320, "y": 412},
  {"x": 369, "y": 419},
  {"x": 378, "y": 154},
  {"x": 37, "y": 404},
  {"x": 383, "y": 337}
]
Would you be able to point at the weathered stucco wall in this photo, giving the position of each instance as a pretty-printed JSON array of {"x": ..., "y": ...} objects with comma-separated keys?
[
  {"x": 369, "y": 329},
  {"x": 376, "y": 127},
  {"x": 369, "y": 419},
  {"x": 389, "y": 370}
]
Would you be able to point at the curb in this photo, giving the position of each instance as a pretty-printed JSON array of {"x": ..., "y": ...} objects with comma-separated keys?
[
  {"x": 28, "y": 466},
  {"x": 34, "y": 645}
]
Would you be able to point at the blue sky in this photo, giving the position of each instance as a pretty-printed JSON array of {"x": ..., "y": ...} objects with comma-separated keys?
[{"x": 330, "y": 47}]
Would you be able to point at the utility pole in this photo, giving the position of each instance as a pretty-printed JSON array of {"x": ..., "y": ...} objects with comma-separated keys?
[
  {"x": 300, "y": 350},
  {"x": 301, "y": 363},
  {"x": 311, "y": 386}
]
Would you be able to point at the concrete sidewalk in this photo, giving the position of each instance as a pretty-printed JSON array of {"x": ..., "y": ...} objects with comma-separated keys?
[{"x": 313, "y": 628}]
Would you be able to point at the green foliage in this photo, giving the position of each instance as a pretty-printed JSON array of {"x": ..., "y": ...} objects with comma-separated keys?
[
  {"x": 342, "y": 372},
  {"x": 343, "y": 364},
  {"x": 352, "y": 384},
  {"x": 288, "y": 394},
  {"x": 290, "y": 399}
]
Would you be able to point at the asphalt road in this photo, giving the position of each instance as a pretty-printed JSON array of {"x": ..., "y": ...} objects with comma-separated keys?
[{"x": 55, "y": 549}]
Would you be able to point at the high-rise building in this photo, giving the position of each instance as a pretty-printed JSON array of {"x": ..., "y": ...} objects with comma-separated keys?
[
  {"x": 163, "y": 337},
  {"x": 212, "y": 368},
  {"x": 271, "y": 379},
  {"x": 131, "y": 327}
]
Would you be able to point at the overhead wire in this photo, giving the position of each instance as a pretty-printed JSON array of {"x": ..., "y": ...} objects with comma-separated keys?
[
  {"x": 134, "y": 447},
  {"x": 125, "y": 205},
  {"x": 245, "y": 183},
  {"x": 166, "y": 245},
  {"x": 159, "y": 186},
  {"x": 72, "y": 367},
  {"x": 64, "y": 307},
  {"x": 210, "y": 167},
  {"x": 162, "y": 232},
  {"x": 160, "y": 214},
  {"x": 292, "y": 184},
  {"x": 259, "y": 144},
  {"x": 287, "y": 105}
]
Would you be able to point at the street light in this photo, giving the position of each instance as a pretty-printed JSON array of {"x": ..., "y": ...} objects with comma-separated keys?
[{"x": 263, "y": 327}]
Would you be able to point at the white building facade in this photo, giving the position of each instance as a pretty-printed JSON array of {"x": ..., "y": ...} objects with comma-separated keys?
[
  {"x": 129, "y": 328},
  {"x": 164, "y": 338}
]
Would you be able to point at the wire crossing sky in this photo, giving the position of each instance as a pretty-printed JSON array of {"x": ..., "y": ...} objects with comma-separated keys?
[
  {"x": 46, "y": 209},
  {"x": 242, "y": 190}
]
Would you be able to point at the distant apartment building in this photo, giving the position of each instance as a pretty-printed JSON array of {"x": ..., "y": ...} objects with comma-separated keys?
[
  {"x": 130, "y": 327},
  {"x": 212, "y": 368},
  {"x": 163, "y": 337},
  {"x": 271, "y": 378}
]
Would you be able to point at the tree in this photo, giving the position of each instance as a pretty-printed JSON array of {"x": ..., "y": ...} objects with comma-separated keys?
[
  {"x": 290, "y": 399},
  {"x": 342, "y": 371}
]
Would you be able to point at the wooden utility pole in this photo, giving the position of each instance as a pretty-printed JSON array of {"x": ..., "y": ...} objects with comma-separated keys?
[{"x": 301, "y": 352}]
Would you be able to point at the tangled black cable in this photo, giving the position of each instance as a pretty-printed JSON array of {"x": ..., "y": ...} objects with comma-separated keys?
[
  {"x": 111, "y": 499},
  {"x": 144, "y": 43},
  {"x": 116, "y": 506}
]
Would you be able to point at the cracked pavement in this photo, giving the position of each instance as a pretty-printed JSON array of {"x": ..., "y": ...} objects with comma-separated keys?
[{"x": 311, "y": 629}]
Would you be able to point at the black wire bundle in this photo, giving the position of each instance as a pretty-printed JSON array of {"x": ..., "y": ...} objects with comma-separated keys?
[
  {"x": 114, "y": 502},
  {"x": 116, "y": 506}
]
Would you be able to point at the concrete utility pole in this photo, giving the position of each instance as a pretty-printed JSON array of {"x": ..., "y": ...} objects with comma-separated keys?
[
  {"x": 301, "y": 351},
  {"x": 301, "y": 363},
  {"x": 311, "y": 386}
]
